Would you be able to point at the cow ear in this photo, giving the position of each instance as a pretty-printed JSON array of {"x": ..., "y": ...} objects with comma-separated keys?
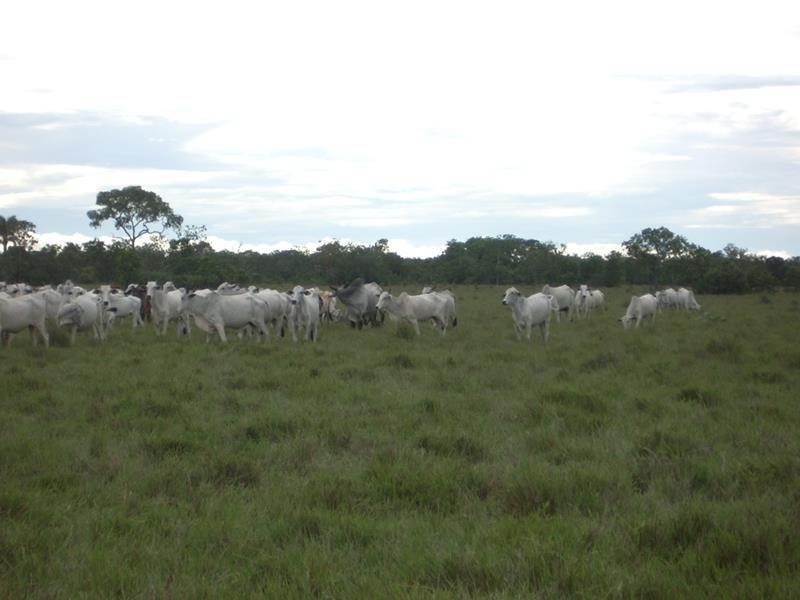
[
  {"x": 96, "y": 291},
  {"x": 306, "y": 292}
]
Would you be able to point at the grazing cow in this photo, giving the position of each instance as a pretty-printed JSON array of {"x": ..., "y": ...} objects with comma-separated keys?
[
  {"x": 21, "y": 313},
  {"x": 564, "y": 295},
  {"x": 81, "y": 313},
  {"x": 530, "y": 311},
  {"x": 214, "y": 311},
  {"x": 414, "y": 309},
  {"x": 167, "y": 305},
  {"x": 639, "y": 308},
  {"x": 305, "y": 312},
  {"x": 667, "y": 298},
  {"x": 686, "y": 300},
  {"x": 361, "y": 300}
]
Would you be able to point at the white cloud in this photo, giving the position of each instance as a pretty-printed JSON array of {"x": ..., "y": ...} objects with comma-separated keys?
[
  {"x": 602, "y": 249},
  {"x": 747, "y": 210},
  {"x": 60, "y": 239},
  {"x": 403, "y": 247},
  {"x": 768, "y": 253}
]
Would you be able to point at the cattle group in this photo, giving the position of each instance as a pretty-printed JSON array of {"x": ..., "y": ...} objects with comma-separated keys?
[{"x": 299, "y": 312}]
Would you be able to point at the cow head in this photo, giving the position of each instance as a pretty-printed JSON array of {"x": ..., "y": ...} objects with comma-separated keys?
[{"x": 511, "y": 296}]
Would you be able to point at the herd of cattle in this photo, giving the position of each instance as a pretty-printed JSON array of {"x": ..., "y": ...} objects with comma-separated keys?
[{"x": 253, "y": 311}]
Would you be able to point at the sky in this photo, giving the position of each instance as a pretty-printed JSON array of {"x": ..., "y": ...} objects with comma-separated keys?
[{"x": 280, "y": 125}]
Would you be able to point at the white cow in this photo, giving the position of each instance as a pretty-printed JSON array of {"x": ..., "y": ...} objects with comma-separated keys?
[
  {"x": 52, "y": 300},
  {"x": 118, "y": 305},
  {"x": 166, "y": 306},
  {"x": 20, "y": 313},
  {"x": 81, "y": 313},
  {"x": 597, "y": 299},
  {"x": 667, "y": 298},
  {"x": 639, "y": 308},
  {"x": 450, "y": 303},
  {"x": 214, "y": 311},
  {"x": 587, "y": 300},
  {"x": 305, "y": 312},
  {"x": 564, "y": 295},
  {"x": 686, "y": 300},
  {"x": 530, "y": 311},
  {"x": 414, "y": 309},
  {"x": 580, "y": 308}
]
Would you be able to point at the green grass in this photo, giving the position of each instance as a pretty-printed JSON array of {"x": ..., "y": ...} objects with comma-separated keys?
[{"x": 659, "y": 462}]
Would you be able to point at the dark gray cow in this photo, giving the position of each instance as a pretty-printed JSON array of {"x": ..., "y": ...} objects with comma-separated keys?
[{"x": 361, "y": 301}]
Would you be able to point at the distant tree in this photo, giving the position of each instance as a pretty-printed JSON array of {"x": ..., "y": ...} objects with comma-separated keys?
[
  {"x": 654, "y": 246},
  {"x": 135, "y": 212},
  {"x": 17, "y": 232}
]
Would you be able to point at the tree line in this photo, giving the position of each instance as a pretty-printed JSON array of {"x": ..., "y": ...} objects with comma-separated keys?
[{"x": 655, "y": 257}]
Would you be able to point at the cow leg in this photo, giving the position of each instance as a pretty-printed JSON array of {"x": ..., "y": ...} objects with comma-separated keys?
[
  {"x": 72, "y": 335},
  {"x": 545, "y": 329},
  {"x": 416, "y": 326},
  {"x": 221, "y": 332},
  {"x": 528, "y": 330},
  {"x": 42, "y": 331}
]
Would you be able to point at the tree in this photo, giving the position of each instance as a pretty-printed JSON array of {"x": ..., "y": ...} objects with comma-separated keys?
[
  {"x": 17, "y": 232},
  {"x": 654, "y": 246},
  {"x": 136, "y": 212}
]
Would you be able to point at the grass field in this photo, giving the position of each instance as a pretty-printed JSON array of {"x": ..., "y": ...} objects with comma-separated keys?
[{"x": 658, "y": 462}]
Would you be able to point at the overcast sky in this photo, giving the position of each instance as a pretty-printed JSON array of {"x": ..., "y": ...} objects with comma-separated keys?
[{"x": 282, "y": 124}]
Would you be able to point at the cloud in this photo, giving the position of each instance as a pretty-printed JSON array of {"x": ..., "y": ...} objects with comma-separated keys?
[
  {"x": 61, "y": 239},
  {"x": 734, "y": 82},
  {"x": 767, "y": 253},
  {"x": 106, "y": 140},
  {"x": 747, "y": 210},
  {"x": 601, "y": 249},
  {"x": 403, "y": 247}
]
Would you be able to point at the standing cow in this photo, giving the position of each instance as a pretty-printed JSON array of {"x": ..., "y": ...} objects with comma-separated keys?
[
  {"x": 21, "y": 313},
  {"x": 530, "y": 311},
  {"x": 361, "y": 301},
  {"x": 565, "y": 296}
]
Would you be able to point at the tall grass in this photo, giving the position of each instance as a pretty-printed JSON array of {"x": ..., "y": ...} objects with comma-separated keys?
[{"x": 658, "y": 462}]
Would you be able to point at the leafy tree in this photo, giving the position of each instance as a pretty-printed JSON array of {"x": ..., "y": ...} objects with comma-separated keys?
[
  {"x": 654, "y": 246},
  {"x": 17, "y": 232},
  {"x": 136, "y": 212}
]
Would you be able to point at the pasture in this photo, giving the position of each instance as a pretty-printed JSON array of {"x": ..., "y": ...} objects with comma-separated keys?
[{"x": 659, "y": 462}]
